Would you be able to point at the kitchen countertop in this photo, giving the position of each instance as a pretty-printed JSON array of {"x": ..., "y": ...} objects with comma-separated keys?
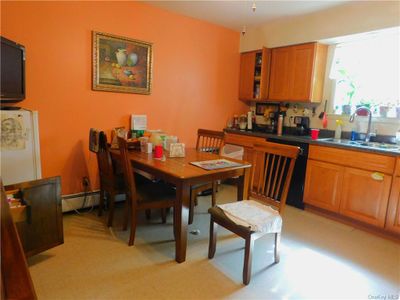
[{"x": 322, "y": 141}]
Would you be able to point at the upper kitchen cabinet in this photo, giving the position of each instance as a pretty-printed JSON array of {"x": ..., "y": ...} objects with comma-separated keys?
[
  {"x": 254, "y": 75},
  {"x": 297, "y": 73}
]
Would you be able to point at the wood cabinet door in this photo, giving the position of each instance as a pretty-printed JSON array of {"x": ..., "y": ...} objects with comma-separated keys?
[
  {"x": 323, "y": 185},
  {"x": 365, "y": 196},
  {"x": 393, "y": 212},
  {"x": 280, "y": 74},
  {"x": 44, "y": 226},
  {"x": 246, "y": 81},
  {"x": 301, "y": 71}
]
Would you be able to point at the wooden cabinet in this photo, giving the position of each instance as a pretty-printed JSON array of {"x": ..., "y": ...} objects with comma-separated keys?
[
  {"x": 280, "y": 73},
  {"x": 43, "y": 229},
  {"x": 247, "y": 143},
  {"x": 302, "y": 72},
  {"x": 351, "y": 183},
  {"x": 254, "y": 75},
  {"x": 365, "y": 196},
  {"x": 323, "y": 185},
  {"x": 393, "y": 213},
  {"x": 244, "y": 141},
  {"x": 297, "y": 73}
]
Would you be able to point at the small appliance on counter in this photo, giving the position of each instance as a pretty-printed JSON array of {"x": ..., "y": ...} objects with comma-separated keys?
[
  {"x": 267, "y": 115},
  {"x": 302, "y": 125}
]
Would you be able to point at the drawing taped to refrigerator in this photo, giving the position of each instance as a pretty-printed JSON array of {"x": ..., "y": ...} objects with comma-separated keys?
[{"x": 20, "y": 150}]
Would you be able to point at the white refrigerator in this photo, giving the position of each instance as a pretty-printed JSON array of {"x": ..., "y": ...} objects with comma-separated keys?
[{"x": 20, "y": 149}]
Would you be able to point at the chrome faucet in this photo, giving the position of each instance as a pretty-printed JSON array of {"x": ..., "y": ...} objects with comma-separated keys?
[{"x": 351, "y": 120}]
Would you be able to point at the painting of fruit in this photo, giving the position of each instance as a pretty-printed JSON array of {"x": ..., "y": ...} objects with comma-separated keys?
[{"x": 121, "y": 64}]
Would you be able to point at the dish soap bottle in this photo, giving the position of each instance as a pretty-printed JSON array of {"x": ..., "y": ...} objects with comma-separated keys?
[{"x": 338, "y": 130}]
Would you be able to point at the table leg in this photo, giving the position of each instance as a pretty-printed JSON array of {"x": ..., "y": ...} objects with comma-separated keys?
[
  {"x": 181, "y": 212},
  {"x": 243, "y": 185}
]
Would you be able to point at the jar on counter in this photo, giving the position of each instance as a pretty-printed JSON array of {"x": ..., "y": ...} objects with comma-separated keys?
[
  {"x": 242, "y": 122},
  {"x": 235, "y": 122}
]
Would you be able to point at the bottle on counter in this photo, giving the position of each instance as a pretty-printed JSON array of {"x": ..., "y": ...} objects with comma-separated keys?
[
  {"x": 250, "y": 120},
  {"x": 338, "y": 130},
  {"x": 235, "y": 122},
  {"x": 280, "y": 125}
]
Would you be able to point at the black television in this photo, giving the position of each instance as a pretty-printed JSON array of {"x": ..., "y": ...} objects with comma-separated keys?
[{"x": 12, "y": 71}]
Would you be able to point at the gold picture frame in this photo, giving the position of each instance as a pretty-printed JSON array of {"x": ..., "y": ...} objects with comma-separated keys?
[{"x": 121, "y": 64}]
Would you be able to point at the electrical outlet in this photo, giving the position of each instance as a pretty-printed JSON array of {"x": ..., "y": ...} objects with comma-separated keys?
[{"x": 85, "y": 181}]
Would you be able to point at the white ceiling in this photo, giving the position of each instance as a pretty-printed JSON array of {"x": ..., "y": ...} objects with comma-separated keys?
[{"x": 236, "y": 14}]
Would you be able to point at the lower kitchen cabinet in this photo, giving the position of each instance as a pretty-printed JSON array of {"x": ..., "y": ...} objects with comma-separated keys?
[
  {"x": 247, "y": 143},
  {"x": 244, "y": 141},
  {"x": 393, "y": 215},
  {"x": 365, "y": 196},
  {"x": 323, "y": 185},
  {"x": 43, "y": 227},
  {"x": 355, "y": 185}
]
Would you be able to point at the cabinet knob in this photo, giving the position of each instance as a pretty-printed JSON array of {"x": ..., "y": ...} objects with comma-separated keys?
[{"x": 377, "y": 176}]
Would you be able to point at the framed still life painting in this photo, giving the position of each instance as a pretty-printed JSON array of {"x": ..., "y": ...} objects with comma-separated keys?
[{"x": 121, "y": 64}]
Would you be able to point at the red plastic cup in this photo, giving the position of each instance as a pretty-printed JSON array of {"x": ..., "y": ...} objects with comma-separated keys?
[
  {"x": 314, "y": 134},
  {"x": 158, "y": 151}
]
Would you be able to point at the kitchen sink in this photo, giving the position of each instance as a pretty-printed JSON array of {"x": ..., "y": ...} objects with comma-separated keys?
[{"x": 363, "y": 144}]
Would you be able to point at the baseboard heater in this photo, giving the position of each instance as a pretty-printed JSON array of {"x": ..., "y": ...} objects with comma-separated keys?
[{"x": 77, "y": 201}]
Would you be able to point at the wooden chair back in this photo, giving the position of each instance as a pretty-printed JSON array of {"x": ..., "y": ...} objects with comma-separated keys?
[
  {"x": 127, "y": 170},
  {"x": 272, "y": 171},
  {"x": 106, "y": 170},
  {"x": 210, "y": 141}
]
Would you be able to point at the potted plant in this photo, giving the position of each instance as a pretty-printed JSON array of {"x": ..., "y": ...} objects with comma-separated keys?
[
  {"x": 365, "y": 103},
  {"x": 383, "y": 110},
  {"x": 346, "y": 109}
]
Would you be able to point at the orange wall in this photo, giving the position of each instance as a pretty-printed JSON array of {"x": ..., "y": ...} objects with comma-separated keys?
[{"x": 195, "y": 78}]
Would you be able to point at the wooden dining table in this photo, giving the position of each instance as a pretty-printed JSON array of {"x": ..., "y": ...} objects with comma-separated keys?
[{"x": 179, "y": 172}]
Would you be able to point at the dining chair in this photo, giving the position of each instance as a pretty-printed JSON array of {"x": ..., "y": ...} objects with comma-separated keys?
[
  {"x": 153, "y": 195},
  {"x": 111, "y": 182},
  {"x": 251, "y": 219},
  {"x": 207, "y": 141}
]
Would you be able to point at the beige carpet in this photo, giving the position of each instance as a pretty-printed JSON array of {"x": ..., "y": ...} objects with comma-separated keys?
[{"x": 319, "y": 259}]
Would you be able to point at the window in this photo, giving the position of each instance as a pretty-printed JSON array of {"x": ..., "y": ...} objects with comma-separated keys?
[{"x": 366, "y": 73}]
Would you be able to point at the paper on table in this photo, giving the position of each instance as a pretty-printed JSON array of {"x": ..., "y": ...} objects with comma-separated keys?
[{"x": 215, "y": 164}]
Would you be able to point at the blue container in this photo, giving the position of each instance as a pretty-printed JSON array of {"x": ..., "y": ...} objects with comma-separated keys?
[{"x": 354, "y": 136}]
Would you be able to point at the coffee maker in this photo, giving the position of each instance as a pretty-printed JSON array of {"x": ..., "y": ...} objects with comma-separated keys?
[
  {"x": 302, "y": 125},
  {"x": 270, "y": 113}
]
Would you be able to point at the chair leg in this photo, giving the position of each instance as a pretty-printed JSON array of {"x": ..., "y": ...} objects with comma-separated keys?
[
  {"x": 126, "y": 212},
  {"x": 214, "y": 192},
  {"x": 174, "y": 223},
  {"x": 133, "y": 227},
  {"x": 101, "y": 203},
  {"x": 111, "y": 212},
  {"x": 164, "y": 215},
  {"x": 277, "y": 246},
  {"x": 248, "y": 255},
  {"x": 148, "y": 214},
  {"x": 212, "y": 245},
  {"x": 193, "y": 195},
  {"x": 193, "y": 203},
  {"x": 191, "y": 210}
]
